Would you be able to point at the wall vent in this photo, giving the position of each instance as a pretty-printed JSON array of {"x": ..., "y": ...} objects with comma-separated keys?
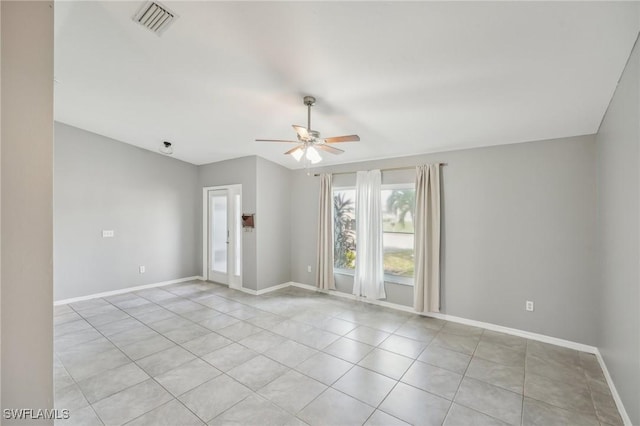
[{"x": 155, "y": 17}]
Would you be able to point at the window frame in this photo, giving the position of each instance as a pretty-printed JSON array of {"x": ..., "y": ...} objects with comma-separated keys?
[
  {"x": 388, "y": 278},
  {"x": 398, "y": 279},
  {"x": 343, "y": 271}
]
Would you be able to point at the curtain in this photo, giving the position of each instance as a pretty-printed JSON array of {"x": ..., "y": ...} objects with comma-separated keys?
[
  {"x": 427, "y": 239},
  {"x": 324, "y": 263},
  {"x": 369, "y": 275}
]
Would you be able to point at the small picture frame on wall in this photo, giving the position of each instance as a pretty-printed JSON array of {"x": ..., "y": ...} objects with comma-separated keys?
[{"x": 247, "y": 221}]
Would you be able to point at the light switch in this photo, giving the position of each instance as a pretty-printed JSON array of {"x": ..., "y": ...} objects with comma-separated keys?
[{"x": 108, "y": 233}]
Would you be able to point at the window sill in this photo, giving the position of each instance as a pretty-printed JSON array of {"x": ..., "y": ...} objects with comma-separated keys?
[{"x": 408, "y": 281}]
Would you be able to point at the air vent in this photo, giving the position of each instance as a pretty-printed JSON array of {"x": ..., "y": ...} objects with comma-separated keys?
[{"x": 155, "y": 17}]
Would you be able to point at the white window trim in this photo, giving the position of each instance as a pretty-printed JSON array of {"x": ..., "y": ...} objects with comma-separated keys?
[
  {"x": 388, "y": 278},
  {"x": 398, "y": 185}
]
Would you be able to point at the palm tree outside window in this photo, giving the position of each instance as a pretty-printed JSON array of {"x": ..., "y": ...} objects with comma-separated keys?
[{"x": 398, "y": 202}]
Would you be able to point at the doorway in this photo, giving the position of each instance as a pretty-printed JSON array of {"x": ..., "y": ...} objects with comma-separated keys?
[{"x": 222, "y": 239}]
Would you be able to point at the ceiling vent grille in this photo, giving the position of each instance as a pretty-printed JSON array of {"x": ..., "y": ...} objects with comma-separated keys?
[{"x": 155, "y": 17}]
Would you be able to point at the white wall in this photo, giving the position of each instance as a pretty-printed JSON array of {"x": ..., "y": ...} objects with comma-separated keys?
[
  {"x": 518, "y": 224},
  {"x": 148, "y": 199},
  {"x": 618, "y": 304},
  {"x": 26, "y": 202}
]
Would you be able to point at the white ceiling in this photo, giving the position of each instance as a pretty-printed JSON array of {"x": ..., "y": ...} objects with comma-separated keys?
[{"x": 409, "y": 78}]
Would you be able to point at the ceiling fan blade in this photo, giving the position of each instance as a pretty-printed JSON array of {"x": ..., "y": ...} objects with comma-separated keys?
[
  {"x": 348, "y": 138},
  {"x": 293, "y": 149},
  {"x": 330, "y": 149},
  {"x": 275, "y": 140},
  {"x": 301, "y": 131}
]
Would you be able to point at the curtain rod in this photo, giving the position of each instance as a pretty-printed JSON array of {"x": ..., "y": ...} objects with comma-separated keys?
[{"x": 382, "y": 170}]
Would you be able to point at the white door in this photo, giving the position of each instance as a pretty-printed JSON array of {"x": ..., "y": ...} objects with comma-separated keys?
[{"x": 224, "y": 233}]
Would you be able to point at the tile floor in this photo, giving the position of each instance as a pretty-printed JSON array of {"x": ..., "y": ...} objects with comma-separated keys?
[{"x": 196, "y": 353}]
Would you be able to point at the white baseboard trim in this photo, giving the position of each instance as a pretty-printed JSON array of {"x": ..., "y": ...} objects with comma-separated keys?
[
  {"x": 520, "y": 333},
  {"x": 488, "y": 326},
  {"x": 353, "y": 297},
  {"x": 266, "y": 290},
  {"x": 123, "y": 290},
  {"x": 614, "y": 392}
]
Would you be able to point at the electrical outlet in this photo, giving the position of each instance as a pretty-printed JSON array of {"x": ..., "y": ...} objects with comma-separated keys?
[
  {"x": 308, "y": 268},
  {"x": 528, "y": 305},
  {"x": 107, "y": 233},
  {"x": 143, "y": 269}
]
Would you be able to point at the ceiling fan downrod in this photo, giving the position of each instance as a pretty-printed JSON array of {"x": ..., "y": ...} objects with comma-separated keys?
[{"x": 309, "y": 101}]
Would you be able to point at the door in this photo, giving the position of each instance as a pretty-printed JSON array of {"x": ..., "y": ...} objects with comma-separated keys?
[{"x": 224, "y": 232}]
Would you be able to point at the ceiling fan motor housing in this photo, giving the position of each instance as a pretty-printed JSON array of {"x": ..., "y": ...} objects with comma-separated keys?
[
  {"x": 311, "y": 137},
  {"x": 309, "y": 100}
]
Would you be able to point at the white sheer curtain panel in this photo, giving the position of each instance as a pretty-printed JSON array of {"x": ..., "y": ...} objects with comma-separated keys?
[
  {"x": 426, "y": 291},
  {"x": 324, "y": 264},
  {"x": 369, "y": 276}
]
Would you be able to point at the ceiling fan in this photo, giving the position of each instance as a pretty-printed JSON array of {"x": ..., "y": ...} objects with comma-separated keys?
[{"x": 309, "y": 141}]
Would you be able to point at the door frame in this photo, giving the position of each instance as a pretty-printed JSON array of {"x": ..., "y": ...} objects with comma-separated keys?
[{"x": 205, "y": 230}]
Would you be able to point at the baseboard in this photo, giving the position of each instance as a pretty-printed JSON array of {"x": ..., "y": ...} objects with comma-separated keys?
[
  {"x": 265, "y": 290},
  {"x": 354, "y": 297},
  {"x": 488, "y": 326},
  {"x": 124, "y": 290},
  {"x": 520, "y": 333},
  {"x": 614, "y": 392}
]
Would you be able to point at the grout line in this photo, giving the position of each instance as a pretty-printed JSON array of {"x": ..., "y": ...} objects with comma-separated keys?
[
  {"x": 223, "y": 373},
  {"x": 339, "y": 309},
  {"x": 524, "y": 380},
  {"x": 464, "y": 373},
  {"x": 130, "y": 359},
  {"x": 177, "y": 344},
  {"x": 237, "y": 342},
  {"x": 321, "y": 351},
  {"x": 75, "y": 383},
  {"x": 471, "y": 357}
]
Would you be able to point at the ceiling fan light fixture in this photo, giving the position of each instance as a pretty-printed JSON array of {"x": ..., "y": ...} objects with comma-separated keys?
[
  {"x": 297, "y": 154},
  {"x": 309, "y": 140},
  {"x": 313, "y": 155}
]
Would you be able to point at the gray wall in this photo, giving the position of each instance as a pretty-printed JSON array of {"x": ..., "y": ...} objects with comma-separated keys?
[
  {"x": 619, "y": 228},
  {"x": 26, "y": 191},
  {"x": 518, "y": 224},
  {"x": 148, "y": 199},
  {"x": 273, "y": 223},
  {"x": 237, "y": 171}
]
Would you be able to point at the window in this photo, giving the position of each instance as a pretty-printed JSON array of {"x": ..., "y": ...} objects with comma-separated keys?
[
  {"x": 344, "y": 228},
  {"x": 397, "y": 224}
]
